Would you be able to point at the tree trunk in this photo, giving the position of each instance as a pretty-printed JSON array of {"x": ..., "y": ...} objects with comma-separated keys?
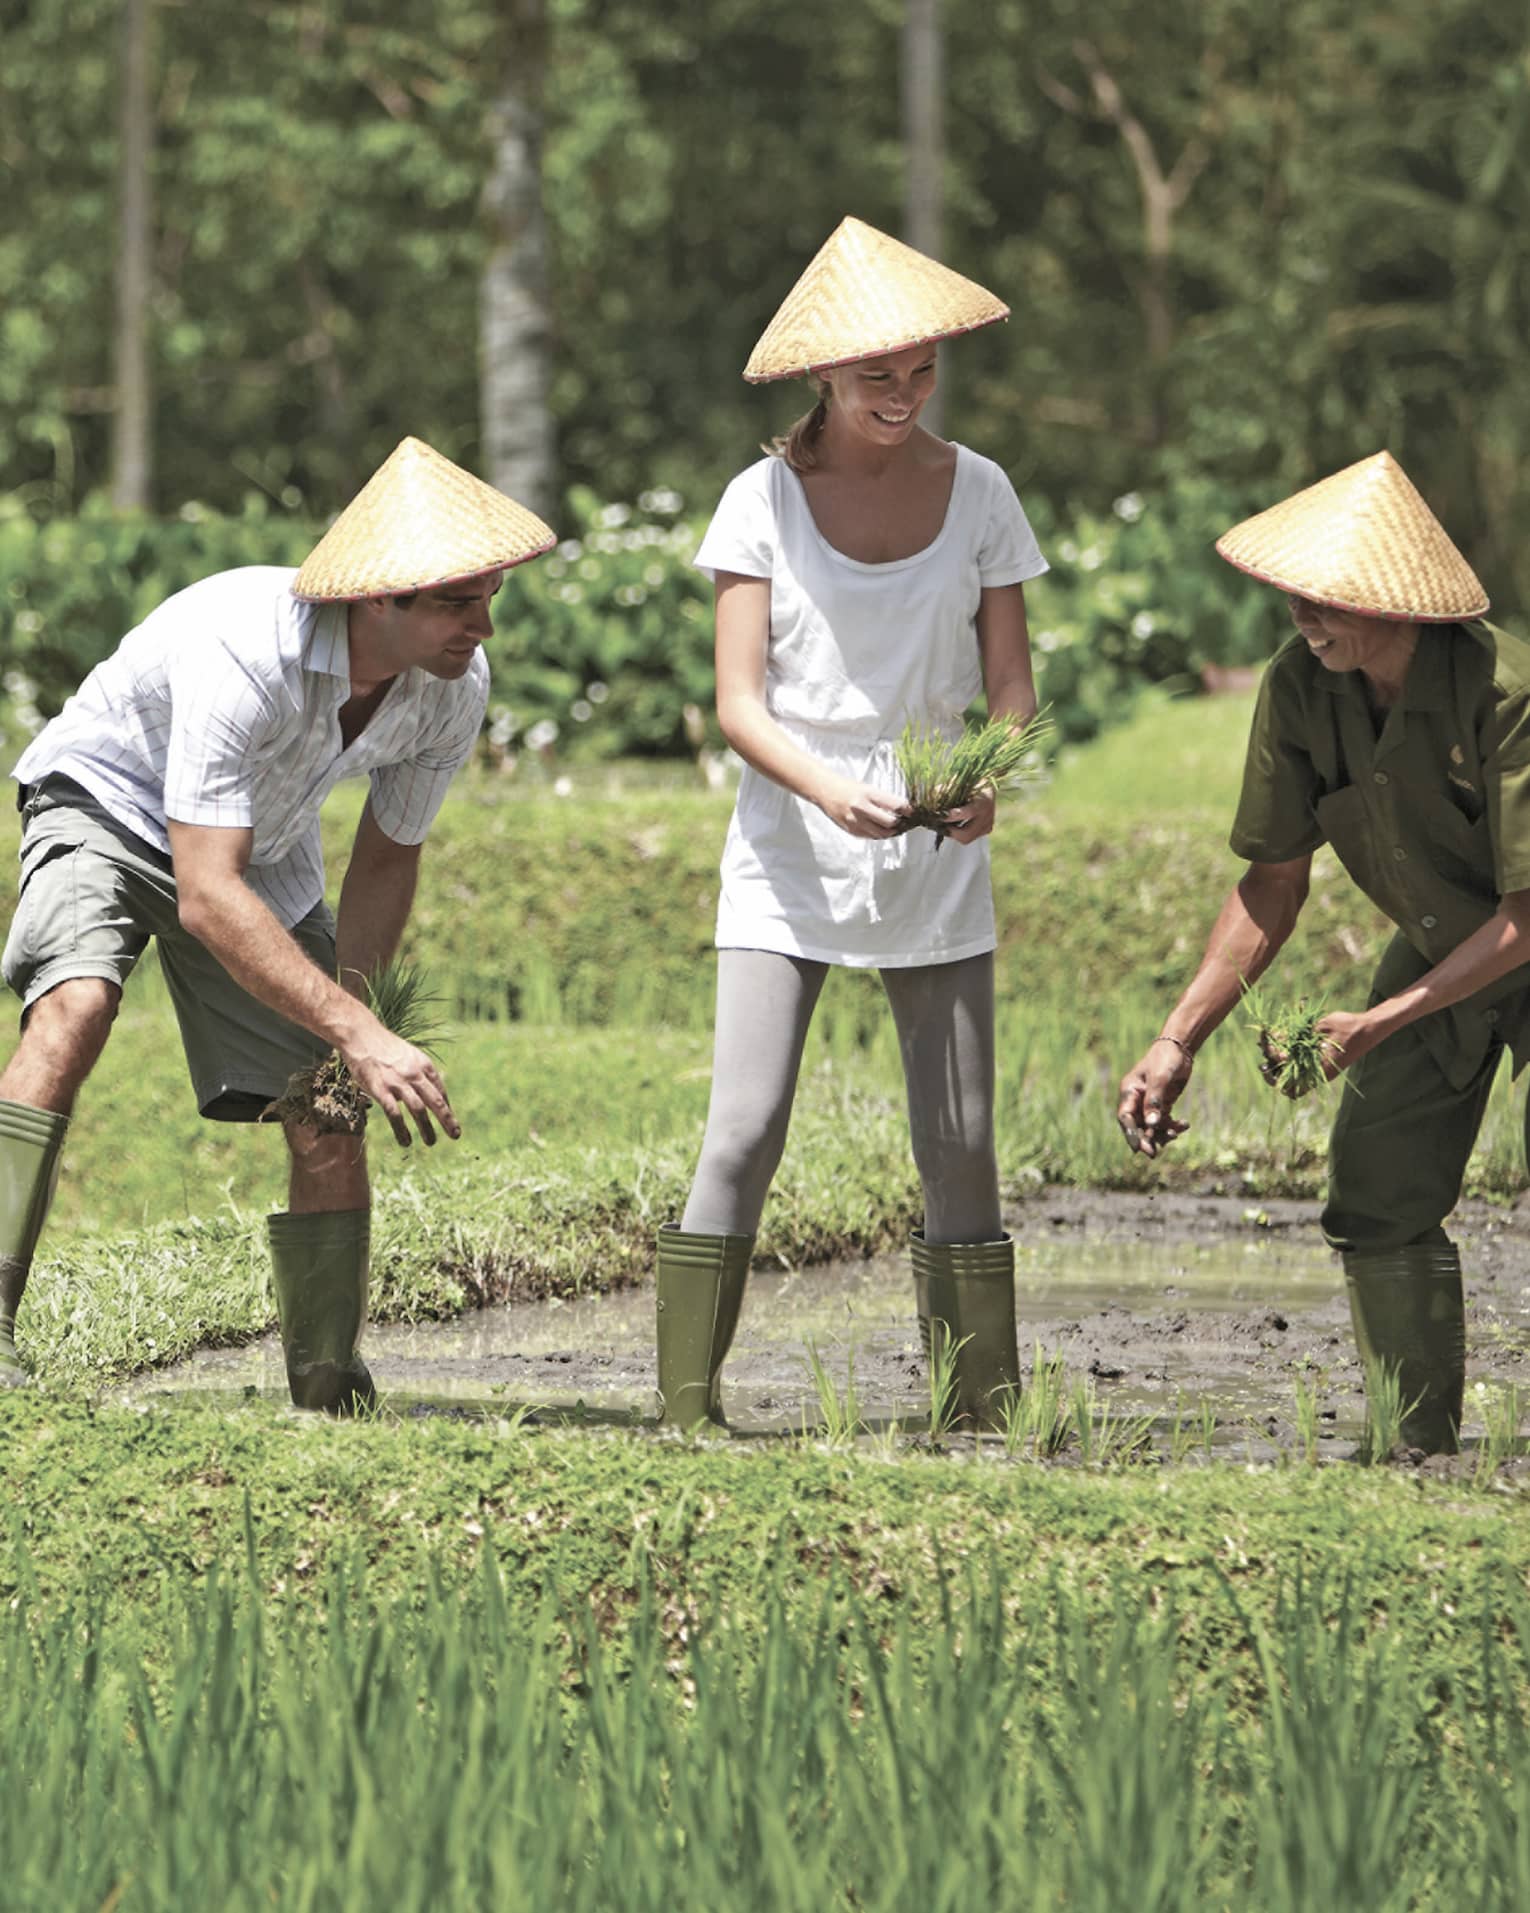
[
  {"x": 514, "y": 320},
  {"x": 924, "y": 144},
  {"x": 132, "y": 448}
]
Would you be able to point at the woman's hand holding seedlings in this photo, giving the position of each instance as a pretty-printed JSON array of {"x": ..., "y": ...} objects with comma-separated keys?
[
  {"x": 968, "y": 822},
  {"x": 1148, "y": 1095},
  {"x": 862, "y": 809}
]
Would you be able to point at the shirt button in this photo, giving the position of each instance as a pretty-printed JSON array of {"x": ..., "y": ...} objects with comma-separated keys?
[
  {"x": 1381, "y": 777},
  {"x": 1490, "y": 1016},
  {"x": 1429, "y": 922},
  {"x": 1400, "y": 855}
]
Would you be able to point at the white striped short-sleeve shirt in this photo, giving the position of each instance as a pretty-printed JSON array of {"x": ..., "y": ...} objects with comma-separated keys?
[{"x": 222, "y": 708}]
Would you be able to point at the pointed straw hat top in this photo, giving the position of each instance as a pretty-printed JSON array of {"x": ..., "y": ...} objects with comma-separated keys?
[
  {"x": 862, "y": 294},
  {"x": 419, "y": 521},
  {"x": 1362, "y": 540}
]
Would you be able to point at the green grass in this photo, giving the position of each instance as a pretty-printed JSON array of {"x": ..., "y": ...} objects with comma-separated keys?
[{"x": 247, "y": 1661}]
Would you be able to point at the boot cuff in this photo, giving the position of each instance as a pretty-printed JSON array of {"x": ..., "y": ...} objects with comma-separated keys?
[
  {"x": 991, "y": 1260},
  {"x": 1442, "y": 1259},
  {"x": 320, "y": 1230},
  {"x": 21, "y": 1122}
]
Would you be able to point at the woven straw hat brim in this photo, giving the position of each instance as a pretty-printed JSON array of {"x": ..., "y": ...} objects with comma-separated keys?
[
  {"x": 865, "y": 293},
  {"x": 419, "y": 522},
  {"x": 1361, "y": 540}
]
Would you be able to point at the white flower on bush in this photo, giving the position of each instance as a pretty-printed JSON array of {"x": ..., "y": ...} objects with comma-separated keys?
[
  {"x": 597, "y": 692},
  {"x": 660, "y": 498},
  {"x": 570, "y": 549},
  {"x": 22, "y": 693},
  {"x": 542, "y": 735},
  {"x": 563, "y": 787},
  {"x": 1144, "y": 625},
  {"x": 581, "y": 711},
  {"x": 503, "y": 725},
  {"x": 613, "y": 516},
  {"x": 1128, "y": 507}
]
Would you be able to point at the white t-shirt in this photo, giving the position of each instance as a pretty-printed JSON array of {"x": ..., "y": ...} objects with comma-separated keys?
[
  {"x": 222, "y": 707},
  {"x": 856, "y": 651}
]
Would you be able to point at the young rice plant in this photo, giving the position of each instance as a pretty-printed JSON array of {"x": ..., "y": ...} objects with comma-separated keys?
[
  {"x": 1292, "y": 1048},
  {"x": 327, "y": 1097},
  {"x": 944, "y": 774}
]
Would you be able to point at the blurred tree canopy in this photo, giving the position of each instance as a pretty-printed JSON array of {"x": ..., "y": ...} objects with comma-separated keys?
[{"x": 1242, "y": 243}]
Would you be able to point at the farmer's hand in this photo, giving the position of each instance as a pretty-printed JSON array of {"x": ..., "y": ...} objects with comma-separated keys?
[
  {"x": 968, "y": 822},
  {"x": 1148, "y": 1094},
  {"x": 403, "y": 1082},
  {"x": 1346, "y": 1038},
  {"x": 862, "y": 809}
]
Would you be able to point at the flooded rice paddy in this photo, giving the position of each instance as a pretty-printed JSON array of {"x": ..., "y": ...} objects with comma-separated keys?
[{"x": 1209, "y": 1309}]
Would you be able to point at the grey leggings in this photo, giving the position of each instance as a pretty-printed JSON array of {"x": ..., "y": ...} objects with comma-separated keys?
[{"x": 944, "y": 1017}]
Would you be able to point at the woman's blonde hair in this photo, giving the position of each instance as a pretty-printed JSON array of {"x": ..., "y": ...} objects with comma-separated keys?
[{"x": 799, "y": 447}]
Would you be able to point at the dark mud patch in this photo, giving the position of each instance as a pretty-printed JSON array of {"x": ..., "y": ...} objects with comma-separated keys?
[{"x": 1203, "y": 1309}]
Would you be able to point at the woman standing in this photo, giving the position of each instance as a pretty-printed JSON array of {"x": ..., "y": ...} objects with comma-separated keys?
[{"x": 867, "y": 573}]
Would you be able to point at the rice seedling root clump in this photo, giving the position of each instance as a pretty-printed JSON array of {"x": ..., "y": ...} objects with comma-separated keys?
[
  {"x": 1292, "y": 1048},
  {"x": 327, "y": 1097},
  {"x": 944, "y": 774}
]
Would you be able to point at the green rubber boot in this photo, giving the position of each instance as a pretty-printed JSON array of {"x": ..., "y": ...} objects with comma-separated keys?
[
  {"x": 1408, "y": 1312},
  {"x": 31, "y": 1141},
  {"x": 969, "y": 1287},
  {"x": 319, "y": 1266},
  {"x": 30, "y": 1144},
  {"x": 701, "y": 1284}
]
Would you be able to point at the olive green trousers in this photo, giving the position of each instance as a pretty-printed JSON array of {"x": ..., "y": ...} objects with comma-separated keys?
[{"x": 1399, "y": 1147}]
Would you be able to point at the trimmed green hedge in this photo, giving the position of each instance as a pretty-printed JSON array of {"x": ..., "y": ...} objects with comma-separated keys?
[{"x": 604, "y": 648}]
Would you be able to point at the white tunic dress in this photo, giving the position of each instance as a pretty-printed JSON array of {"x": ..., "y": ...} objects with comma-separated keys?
[{"x": 856, "y": 651}]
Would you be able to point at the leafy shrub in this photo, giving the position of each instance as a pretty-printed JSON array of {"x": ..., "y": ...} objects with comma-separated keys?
[
  {"x": 1137, "y": 596},
  {"x": 604, "y": 647}
]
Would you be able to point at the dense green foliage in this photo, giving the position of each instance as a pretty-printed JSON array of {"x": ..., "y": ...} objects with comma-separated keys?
[
  {"x": 604, "y": 647},
  {"x": 1253, "y": 243}
]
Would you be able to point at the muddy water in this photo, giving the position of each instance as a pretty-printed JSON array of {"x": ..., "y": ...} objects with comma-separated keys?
[{"x": 1166, "y": 1304}]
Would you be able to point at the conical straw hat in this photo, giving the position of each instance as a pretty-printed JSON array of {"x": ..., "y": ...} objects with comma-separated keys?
[
  {"x": 419, "y": 521},
  {"x": 1362, "y": 540},
  {"x": 864, "y": 293}
]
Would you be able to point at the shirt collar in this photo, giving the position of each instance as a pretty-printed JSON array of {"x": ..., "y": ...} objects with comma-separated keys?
[{"x": 328, "y": 647}]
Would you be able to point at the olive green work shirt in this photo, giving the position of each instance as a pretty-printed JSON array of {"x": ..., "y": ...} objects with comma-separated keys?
[{"x": 1430, "y": 814}]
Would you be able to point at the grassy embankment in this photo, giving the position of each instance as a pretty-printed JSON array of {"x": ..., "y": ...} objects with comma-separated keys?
[
  {"x": 247, "y": 1662},
  {"x": 572, "y": 939}
]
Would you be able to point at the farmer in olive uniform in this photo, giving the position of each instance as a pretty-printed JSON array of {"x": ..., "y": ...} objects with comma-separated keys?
[
  {"x": 1395, "y": 727},
  {"x": 177, "y": 795}
]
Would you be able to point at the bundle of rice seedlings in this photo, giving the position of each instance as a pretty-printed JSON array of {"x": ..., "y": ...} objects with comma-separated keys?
[
  {"x": 944, "y": 774},
  {"x": 327, "y": 1097},
  {"x": 1291, "y": 1046}
]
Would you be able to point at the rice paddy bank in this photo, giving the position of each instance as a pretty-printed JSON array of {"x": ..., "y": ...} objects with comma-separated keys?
[{"x": 246, "y": 1661}]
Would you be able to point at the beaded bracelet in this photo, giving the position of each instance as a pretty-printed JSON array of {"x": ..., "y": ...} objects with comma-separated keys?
[{"x": 1185, "y": 1048}]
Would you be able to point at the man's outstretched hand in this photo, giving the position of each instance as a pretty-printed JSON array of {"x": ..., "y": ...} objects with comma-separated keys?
[
  {"x": 1149, "y": 1092},
  {"x": 404, "y": 1083}
]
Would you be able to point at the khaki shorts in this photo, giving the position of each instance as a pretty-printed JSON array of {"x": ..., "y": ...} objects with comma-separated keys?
[{"x": 91, "y": 895}]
